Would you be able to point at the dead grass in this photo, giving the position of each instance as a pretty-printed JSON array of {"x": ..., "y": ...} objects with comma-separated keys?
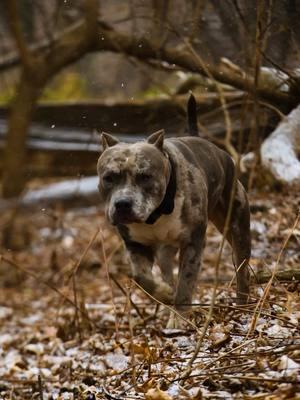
[{"x": 67, "y": 333}]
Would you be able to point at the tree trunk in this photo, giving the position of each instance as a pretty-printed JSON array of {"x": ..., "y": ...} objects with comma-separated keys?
[
  {"x": 35, "y": 74},
  {"x": 14, "y": 175}
]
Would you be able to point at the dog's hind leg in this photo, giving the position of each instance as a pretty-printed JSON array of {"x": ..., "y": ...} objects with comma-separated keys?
[
  {"x": 239, "y": 237},
  {"x": 241, "y": 242}
]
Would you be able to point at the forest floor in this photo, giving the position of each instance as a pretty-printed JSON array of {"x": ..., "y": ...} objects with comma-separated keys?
[{"x": 69, "y": 332}]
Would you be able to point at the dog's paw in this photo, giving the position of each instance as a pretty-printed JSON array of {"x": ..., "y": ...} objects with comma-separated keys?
[
  {"x": 175, "y": 322},
  {"x": 180, "y": 319},
  {"x": 164, "y": 293}
]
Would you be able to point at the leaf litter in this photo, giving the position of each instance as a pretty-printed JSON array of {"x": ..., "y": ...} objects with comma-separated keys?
[{"x": 69, "y": 332}]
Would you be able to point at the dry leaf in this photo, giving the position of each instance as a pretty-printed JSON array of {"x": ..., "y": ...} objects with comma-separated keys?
[{"x": 157, "y": 394}]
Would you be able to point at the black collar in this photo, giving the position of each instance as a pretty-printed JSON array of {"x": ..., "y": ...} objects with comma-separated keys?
[{"x": 168, "y": 202}]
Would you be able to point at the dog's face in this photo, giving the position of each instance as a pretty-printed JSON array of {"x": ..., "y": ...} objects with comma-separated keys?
[{"x": 132, "y": 178}]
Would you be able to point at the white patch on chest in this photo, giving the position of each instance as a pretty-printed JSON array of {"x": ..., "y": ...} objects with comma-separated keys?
[{"x": 167, "y": 229}]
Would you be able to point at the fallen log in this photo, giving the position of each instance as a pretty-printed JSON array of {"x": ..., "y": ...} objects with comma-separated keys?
[
  {"x": 57, "y": 152},
  {"x": 63, "y": 141},
  {"x": 289, "y": 275},
  {"x": 128, "y": 117},
  {"x": 71, "y": 192}
]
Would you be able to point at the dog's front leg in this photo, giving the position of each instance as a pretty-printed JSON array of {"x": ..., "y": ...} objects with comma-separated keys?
[
  {"x": 142, "y": 258},
  {"x": 165, "y": 259},
  {"x": 190, "y": 260}
]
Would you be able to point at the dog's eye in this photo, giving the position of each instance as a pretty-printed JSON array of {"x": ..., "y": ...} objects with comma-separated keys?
[
  {"x": 110, "y": 178},
  {"x": 143, "y": 178}
]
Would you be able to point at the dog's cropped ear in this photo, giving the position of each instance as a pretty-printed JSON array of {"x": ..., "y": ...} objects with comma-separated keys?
[
  {"x": 157, "y": 139},
  {"x": 108, "y": 140}
]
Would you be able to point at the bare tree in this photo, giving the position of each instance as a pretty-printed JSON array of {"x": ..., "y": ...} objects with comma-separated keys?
[
  {"x": 37, "y": 70},
  {"x": 41, "y": 61}
]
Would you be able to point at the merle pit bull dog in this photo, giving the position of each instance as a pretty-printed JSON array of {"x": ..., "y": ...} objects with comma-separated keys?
[{"x": 160, "y": 194}]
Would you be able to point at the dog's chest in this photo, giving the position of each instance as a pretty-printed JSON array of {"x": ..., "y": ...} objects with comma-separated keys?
[{"x": 167, "y": 229}]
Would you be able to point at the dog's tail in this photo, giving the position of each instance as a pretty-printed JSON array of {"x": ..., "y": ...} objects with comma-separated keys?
[{"x": 192, "y": 116}]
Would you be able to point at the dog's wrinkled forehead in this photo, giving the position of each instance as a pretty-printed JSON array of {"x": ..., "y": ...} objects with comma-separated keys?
[{"x": 134, "y": 158}]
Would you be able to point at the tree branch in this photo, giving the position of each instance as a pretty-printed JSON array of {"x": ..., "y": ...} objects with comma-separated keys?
[
  {"x": 16, "y": 30},
  {"x": 143, "y": 48},
  {"x": 66, "y": 50},
  {"x": 91, "y": 19},
  {"x": 288, "y": 275}
]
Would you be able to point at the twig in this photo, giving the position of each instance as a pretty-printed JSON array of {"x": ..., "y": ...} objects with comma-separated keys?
[
  {"x": 109, "y": 282},
  {"x": 44, "y": 282},
  {"x": 228, "y": 353},
  {"x": 241, "y": 102},
  {"x": 77, "y": 322},
  {"x": 40, "y": 383},
  {"x": 77, "y": 265},
  {"x": 125, "y": 294},
  {"x": 198, "y": 10},
  {"x": 149, "y": 75},
  {"x": 260, "y": 304},
  {"x": 248, "y": 310},
  {"x": 108, "y": 395},
  {"x": 245, "y": 378},
  {"x": 141, "y": 367},
  {"x": 227, "y": 140},
  {"x": 132, "y": 354},
  {"x": 25, "y": 382},
  {"x": 203, "y": 67},
  {"x": 265, "y": 56},
  {"x": 168, "y": 307},
  {"x": 260, "y": 43},
  {"x": 42, "y": 14},
  {"x": 73, "y": 277}
]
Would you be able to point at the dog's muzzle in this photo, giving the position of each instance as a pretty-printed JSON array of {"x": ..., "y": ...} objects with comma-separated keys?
[{"x": 123, "y": 211}]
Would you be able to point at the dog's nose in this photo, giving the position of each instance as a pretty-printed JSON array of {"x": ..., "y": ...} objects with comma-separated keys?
[{"x": 123, "y": 205}]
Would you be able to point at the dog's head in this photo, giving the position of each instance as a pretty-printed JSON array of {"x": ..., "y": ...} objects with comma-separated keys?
[{"x": 132, "y": 177}]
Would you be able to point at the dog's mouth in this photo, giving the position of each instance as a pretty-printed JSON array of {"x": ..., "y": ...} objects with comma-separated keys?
[{"x": 124, "y": 218}]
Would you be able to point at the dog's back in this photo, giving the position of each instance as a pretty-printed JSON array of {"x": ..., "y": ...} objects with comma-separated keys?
[{"x": 200, "y": 153}]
